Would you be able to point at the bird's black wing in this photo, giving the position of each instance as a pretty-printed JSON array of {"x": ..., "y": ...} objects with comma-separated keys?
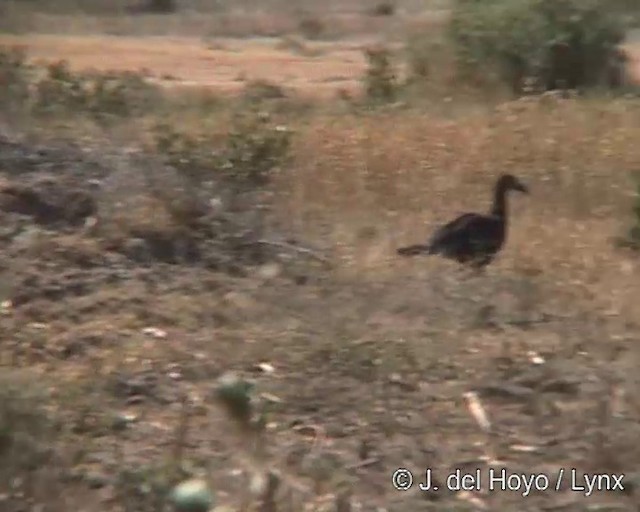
[
  {"x": 451, "y": 231},
  {"x": 470, "y": 235},
  {"x": 443, "y": 236}
]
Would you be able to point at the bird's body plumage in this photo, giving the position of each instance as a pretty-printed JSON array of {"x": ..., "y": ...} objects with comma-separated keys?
[{"x": 472, "y": 238}]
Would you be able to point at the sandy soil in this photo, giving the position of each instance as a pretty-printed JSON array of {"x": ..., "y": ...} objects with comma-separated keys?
[
  {"x": 310, "y": 68},
  {"x": 374, "y": 368},
  {"x": 224, "y": 64}
]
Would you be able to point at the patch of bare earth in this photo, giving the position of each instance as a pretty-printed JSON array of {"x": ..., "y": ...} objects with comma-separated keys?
[
  {"x": 369, "y": 361},
  {"x": 309, "y": 68},
  {"x": 224, "y": 65},
  {"x": 116, "y": 318}
]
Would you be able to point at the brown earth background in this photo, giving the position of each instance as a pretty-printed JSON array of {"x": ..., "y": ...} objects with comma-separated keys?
[{"x": 367, "y": 360}]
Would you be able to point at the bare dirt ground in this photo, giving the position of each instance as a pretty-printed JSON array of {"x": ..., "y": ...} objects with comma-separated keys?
[
  {"x": 225, "y": 65},
  {"x": 372, "y": 356},
  {"x": 316, "y": 69}
]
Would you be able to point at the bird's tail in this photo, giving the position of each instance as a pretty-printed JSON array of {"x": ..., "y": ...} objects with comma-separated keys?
[{"x": 414, "y": 250}]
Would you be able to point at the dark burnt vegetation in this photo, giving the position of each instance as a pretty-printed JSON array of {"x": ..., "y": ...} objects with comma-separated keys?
[{"x": 187, "y": 197}]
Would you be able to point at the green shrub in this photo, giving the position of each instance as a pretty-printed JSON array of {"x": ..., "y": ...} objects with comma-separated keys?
[
  {"x": 102, "y": 96},
  {"x": 419, "y": 49},
  {"x": 380, "y": 81},
  {"x": 162, "y": 6},
  {"x": 558, "y": 43},
  {"x": 253, "y": 148},
  {"x": 257, "y": 91},
  {"x": 25, "y": 428},
  {"x": 311, "y": 27},
  {"x": 60, "y": 90},
  {"x": 384, "y": 8},
  {"x": 14, "y": 79},
  {"x": 632, "y": 240}
]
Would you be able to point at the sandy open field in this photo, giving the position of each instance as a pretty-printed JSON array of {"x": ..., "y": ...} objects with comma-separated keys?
[
  {"x": 144, "y": 254},
  {"x": 226, "y": 65}
]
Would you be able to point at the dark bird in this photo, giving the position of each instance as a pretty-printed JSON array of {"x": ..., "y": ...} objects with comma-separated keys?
[{"x": 472, "y": 238}]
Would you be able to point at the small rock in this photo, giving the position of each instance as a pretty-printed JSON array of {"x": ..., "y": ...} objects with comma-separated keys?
[
  {"x": 122, "y": 421},
  {"x": 154, "y": 332},
  {"x": 174, "y": 371},
  {"x": 535, "y": 358},
  {"x": 396, "y": 379},
  {"x": 265, "y": 368},
  {"x": 269, "y": 271},
  {"x": 268, "y": 397},
  {"x": 192, "y": 496},
  {"x": 258, "y": 484}
]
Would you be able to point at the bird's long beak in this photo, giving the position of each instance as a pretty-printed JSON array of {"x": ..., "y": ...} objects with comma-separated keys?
[{"x": 522, "y": 188}]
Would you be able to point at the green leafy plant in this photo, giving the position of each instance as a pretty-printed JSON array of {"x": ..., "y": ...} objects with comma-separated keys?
[
  {"x": 26, "y": 429},
  {"x": 14, "y": 78},
  {"x": 380, "y": 81},
  {"x": 559, "y": 43},
  {"x": 632, "y": 240},
  {"x": 384, "y": 8},
  {"x": 311, "y": 27},
  {"x": 251, "y": 151},
  {"x": 101, "y": 96}
]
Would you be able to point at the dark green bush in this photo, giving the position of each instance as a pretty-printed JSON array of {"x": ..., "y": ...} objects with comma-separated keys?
[
  {"x": 25, "y": 427},
  {"x": 311, "y": 27},
  {"x": 633, "y": 236},
  {"x": 102, "y": 96},
  {"x": 256, "y": 91},
  {"x": 380, "y": 81},
  {"x": 162, "y": 6},
  {"x": 252, "y": 150},
  {"x": 63, "y": 92},
  {"x": 60, "y": 90},
  {"x": 14, "y": 79},
  {"x": 255, "y": 147},
  {"x": 384, "y": 8},
  {"x": 557, "y": 43}
]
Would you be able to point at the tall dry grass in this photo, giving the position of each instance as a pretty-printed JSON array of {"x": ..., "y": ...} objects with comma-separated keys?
[
  {"x": 358, "y": 185},
  {"x": 365, "y": 184}
]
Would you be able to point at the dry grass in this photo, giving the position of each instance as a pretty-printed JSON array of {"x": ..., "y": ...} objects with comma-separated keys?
[
  {"x": 226, "y": 66},
  {"x": 310, "y": 69},
  {"x": 375, "y": 351},
  {"x": 400, "y": 340},
  {"x": 387, "y": 172}
]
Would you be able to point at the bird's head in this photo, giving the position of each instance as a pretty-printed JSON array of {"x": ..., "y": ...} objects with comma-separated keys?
[{"x": 510, "y": 182}]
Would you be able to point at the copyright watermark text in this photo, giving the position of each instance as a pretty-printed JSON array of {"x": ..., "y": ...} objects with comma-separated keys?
[{"x": 502, "y": 479}]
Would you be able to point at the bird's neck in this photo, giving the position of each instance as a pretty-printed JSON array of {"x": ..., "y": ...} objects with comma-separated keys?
[{"x": 499, "y": 208}]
